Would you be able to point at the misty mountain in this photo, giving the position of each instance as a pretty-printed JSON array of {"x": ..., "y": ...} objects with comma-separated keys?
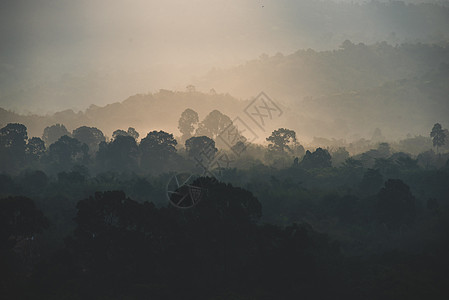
[
  {"x": 308, "y": 72},
  {"x": 144, "y": 112},
  {"x": 73, "y": 54},
  {"x": 400, "y": 107},
  {"x": 351, "y": 90},
  {"x": 343, "y": 93}
]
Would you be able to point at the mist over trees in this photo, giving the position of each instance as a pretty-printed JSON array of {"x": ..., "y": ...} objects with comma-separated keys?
[
  {"x": 352, "y": 176},
  {"x": 331, "y": 183},
  {"x": 280, "y": 215},
  {"x": 236, "y": 31},
  {"x": 345, "y": 94},
  {"x": 187, "y": 121},
  {"x": 438, "y": 136}
]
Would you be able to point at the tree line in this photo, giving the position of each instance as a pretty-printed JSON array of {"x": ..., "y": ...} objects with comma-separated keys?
[{"x": 82, "y": 217}]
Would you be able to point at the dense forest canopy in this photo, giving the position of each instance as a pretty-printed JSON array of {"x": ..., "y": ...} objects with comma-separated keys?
[
  {"x": 238, "y": 149},
  {"x": 107, "y": 212}
]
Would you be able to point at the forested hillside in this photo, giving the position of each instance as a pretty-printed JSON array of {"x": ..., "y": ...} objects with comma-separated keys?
[
  {"x": 403, "y": 89},
  {"x": 224, "y": 150}
]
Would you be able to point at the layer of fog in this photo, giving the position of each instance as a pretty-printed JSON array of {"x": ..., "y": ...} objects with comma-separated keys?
[{"x": 66, "y": 54}]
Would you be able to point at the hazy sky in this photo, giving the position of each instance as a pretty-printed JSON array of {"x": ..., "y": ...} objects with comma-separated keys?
[
  {"x": 58, "y": 54},
  {"x": 45, "y": 42},
  {"x": 61, "y": 36}
]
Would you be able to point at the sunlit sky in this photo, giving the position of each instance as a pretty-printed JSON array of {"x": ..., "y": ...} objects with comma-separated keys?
[
  {"x": 49, "y": 41},
  {"x": 60, "y": 36},
  {"x": 71, "y": 52}
]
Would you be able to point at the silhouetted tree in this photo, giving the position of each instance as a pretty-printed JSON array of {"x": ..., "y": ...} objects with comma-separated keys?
[
  {"x": 67, "y": 152},
  {"x": 91, "y": 136},
  {"x": 213, "y": 124},
  {"x": 12, "y": 146},
  {"x": 131, "y": 132},
  {"x": 318, "y": 159},
  {"x": 156, "y": 149},
  {"x": 52, "y": 133},
  {"x": 120, "y": 155},
  {"x": 119, "y": 132},
  {"x": 35, "y": 149},
  {"x": 282, "y": 140},
  {"x": 438, "y": 136},
  {"x": 186, "y": 124},
  {"x": 200, "y": 145}
]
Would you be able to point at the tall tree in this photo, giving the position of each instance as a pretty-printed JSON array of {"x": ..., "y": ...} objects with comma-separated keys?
[
  {"x": 156, "y": 149},
  {"x": 35, "y": 149},
  {"x": 198, "y": 144},
  {"x": 119, "y": 132},
  {"x": 52, "y": 133},
  {"x": 12, "y": 146},
  {"x": 318, "y": 159},
  {"x": 91, "y": 136},
  {"x": 282, "y": 140},
  {"x": 438, "y": 135},
  {"x": 186, "y": 124},
  {"x": 131, "y": 132},
  {"x": 283, "y": 147},
  {"x": 213, "y": 124},
  {"x": 67, "y": 152},
  {"x": 120, "y": 155}
]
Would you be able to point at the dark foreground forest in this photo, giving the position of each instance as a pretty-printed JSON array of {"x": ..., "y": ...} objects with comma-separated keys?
[{"x": 83, "y": 217}]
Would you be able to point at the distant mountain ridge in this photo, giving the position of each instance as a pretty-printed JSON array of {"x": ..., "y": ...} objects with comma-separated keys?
[
  {"x": 335, "y": 94},
  {"x": 350, "y": 91},
  {"x": 400, "y": 107},
  {"x": 64, "y": 79},
  {"x": 307, "y": 73},
  {"x": 158, "y": 111}
]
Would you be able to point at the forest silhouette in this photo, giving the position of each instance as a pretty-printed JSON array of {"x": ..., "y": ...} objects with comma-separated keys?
[
  {"x": 224, "y": 150},
  {"x": 88, "y": 217}
]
